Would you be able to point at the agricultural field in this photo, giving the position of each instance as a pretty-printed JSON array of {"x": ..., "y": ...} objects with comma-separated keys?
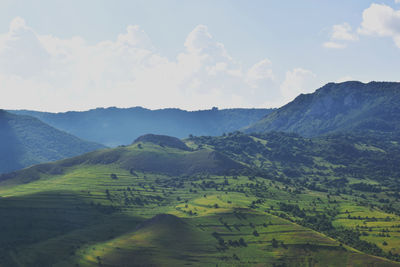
[{"x": 106, "y": 209}]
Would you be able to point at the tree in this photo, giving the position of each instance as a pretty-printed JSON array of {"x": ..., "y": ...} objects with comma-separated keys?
[
  {"x": 242, "y": 242},
  {"x": 274, "y": 243}
]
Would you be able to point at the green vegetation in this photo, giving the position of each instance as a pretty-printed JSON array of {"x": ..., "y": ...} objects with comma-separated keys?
[
  {"x": 162, "y": 140},
  {"x": 25, "y": 141},
  {"x": 236, "y": 200},
  {"x": 338, "y": 107}
]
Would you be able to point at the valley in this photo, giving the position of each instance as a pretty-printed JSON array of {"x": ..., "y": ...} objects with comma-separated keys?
[
  {"x": 201, "y": 133},
  {"x": 97, "y": 212}
]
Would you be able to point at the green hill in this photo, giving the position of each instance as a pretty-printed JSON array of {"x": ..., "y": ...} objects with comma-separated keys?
[
  {"x": 253, "y": 200},
  {"x": 25, "y": 141},
  {"x": 119, "y": 126},
  {"x": 338, "y": 107},
  {"x": 152, "y": 156},
  {"x": 162, "y": 140}
]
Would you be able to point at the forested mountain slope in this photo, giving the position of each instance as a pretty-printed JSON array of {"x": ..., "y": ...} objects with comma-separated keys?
[
  {"x": 338, "y": 107},
  {"x": 25, "y": 141}
]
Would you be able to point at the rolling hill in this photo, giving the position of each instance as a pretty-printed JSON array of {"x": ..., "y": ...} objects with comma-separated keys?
[
  {"x": 149, "y": 153},
  {"x": 237, "y": 200},
  {"x": 118, "y": 126},
  {"x": 25, "y": 141},
  {"x": 338, "y": 107}
]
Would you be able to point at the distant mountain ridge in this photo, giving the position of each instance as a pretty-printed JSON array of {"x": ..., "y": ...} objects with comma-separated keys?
[
  {"x": 338, "y": 107},
  {"x": 119, "y": 126},
  {"x": 25, "y": 141}
]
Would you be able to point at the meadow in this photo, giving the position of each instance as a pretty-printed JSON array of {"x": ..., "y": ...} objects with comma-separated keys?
[{"x": 94, "y": 211}]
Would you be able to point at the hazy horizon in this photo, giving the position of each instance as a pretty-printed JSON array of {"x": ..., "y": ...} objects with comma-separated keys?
[
  {"x": 229, "y": 54},
  {"x": 177, "y": 108}
]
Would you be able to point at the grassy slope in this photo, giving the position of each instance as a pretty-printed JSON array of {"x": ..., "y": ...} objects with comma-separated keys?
[
  {"x": 330, "y": 168},
  {"x": 106, "y": 241},
  {"x": 69, "y": 218}
]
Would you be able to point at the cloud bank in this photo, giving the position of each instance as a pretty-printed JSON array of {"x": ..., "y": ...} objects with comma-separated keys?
[
  {"x": 378, "y": 20},
  {"x": 381, "y": 20},
  {"x": 44, "y": 72}
]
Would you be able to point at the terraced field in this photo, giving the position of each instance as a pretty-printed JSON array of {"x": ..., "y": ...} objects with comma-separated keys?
[{"x": 94, "y": 211}]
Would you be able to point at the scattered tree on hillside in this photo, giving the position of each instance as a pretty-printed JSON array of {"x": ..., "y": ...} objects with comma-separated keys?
[{"x": 274, "y": 243}]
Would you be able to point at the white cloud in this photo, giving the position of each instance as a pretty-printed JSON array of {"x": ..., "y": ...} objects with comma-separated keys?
[
  {"x": 298, "y": 81},
  {"x": 261, "y": 75},
  {"x": 397, "y": 1},
  {"x": 340, "y": 32},
  {"x": 200, "y": 41},
  {"x": 21, "y": 52},
  {"x": 343, "y": 32},
  {"x": 381, "y": 20},
  {"x": 260, "y": 72},
  {"x": 135, "y": 37},
  {"x": 334, "y": 45},
  {"x": 45, "y": 72}
]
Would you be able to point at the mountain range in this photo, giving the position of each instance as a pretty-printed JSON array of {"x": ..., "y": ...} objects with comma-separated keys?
[
  {"x": 313, "y": 183},
  {"x": 119, "y": 126}
]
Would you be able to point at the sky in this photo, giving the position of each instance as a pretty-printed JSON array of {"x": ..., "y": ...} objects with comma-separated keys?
[{"x": 78, "y": 55}]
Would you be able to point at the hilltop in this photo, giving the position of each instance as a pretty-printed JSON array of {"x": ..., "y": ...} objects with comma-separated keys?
[
  {"x": 261, "y": 199},
  {"x": 338, "y": 107},
  {"x": 146, "y": 154},
  {"x": 25, "y": 140},
  {"x": 119, "y": 126},
  {"x": 162, "y": 140}
]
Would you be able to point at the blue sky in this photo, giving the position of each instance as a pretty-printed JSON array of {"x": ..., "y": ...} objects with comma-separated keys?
[{"x": 76, "y": 55}]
